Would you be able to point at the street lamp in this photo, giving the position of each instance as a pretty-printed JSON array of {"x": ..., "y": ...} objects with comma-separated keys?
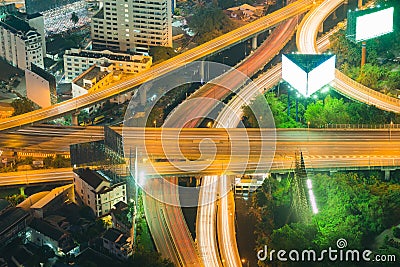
[
  {"x": 244, "y": 260},
  {"x": 155, "y": 123},
  {"x": 390, "y": 130}
]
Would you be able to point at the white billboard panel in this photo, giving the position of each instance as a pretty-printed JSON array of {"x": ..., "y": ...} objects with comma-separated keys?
[
  {"x": 321, "y": 75},
  {"x": 37, "y": 89},
  {"x": 374, "y": 24},
  {"x": 294, "y": 75}
]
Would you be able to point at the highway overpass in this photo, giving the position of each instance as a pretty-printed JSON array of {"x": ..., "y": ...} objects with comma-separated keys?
[{"x": 158, "y": 70}]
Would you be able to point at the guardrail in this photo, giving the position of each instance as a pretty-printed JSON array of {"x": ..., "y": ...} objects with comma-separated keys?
[
  {"x": 361, "y": 126},
  {"x": 367, "y": 90}
]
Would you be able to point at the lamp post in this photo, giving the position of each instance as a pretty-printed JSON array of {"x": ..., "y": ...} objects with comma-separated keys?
[
  {"x": 244, "y": 260},
  {"x": 390, "y": 130},
  {"x": 155, "y": 123}
]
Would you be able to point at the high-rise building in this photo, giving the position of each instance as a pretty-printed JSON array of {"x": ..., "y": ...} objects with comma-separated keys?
[
  {"x": 20, "y": 43},
  {"x": 132, "y": 25}
]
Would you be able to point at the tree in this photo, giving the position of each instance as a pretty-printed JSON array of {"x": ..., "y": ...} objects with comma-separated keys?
[
  {"x": 22, "y": 106},
  {"x": 60, "y": 162},
  {"x": 161, "y": 53},
  {"x": 345, "y": 50},
  {"x": 209, "y": 22},
  {"x": 74, "y": 18},
  {"x": 370, "y": 75}
]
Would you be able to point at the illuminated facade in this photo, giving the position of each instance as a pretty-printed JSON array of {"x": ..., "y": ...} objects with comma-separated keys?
[
  {"x": 132, "y": 25},
  {"x": 98, "y": 191},
  {"x": 77, "y": 61},
  {"x": 20, "y": 43}
]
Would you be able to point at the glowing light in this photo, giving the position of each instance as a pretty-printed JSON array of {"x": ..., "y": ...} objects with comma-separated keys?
[
  {"x": 312, "y": 197},
  {"x": 374, "y": 24},
  {"x": 309, "y": 184}
]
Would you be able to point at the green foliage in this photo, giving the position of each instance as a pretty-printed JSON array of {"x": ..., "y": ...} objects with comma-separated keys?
[
  {"x": 15, "y": 199},
  {"x": 56, "y": 162},
  {"x": 345, "y": 50},
  {"x": 74, "y": 18},
  {"x": 351, "y": 206},
  {"x": 396, "y": 232},
  {"x": 370, "y": 75},
  {"x": 331, "y": 110},
  {"x": 150, "y": 259},
  {"x": 209, "y": 22},
  {"x": 22, "y": 106},
  {"x": 161, "y": 53},
  {"x": 278, "y": 108}
]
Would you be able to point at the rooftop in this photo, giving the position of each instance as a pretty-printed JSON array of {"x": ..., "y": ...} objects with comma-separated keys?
[
  {"x": 11, "y": 217},
  {"x": 47, "y": 229},
  {"x": 115, "y": 236},
  {"x": 15, "y": 24},
  {"x": 93, "y": 72},
  {"x": 108, "y": 55},
  {"x": 4, "y": 204},
  {"x": 92, "y": 178},
  {"x": 50, "y": 196}
]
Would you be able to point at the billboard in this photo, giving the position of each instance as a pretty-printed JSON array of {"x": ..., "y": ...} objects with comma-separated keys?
[
  {"x": 307, "y": 73},
  {"x": 321, "y": 75},
  {"x": 294, "y": 75},
  {"x": 370, "y": 23}
]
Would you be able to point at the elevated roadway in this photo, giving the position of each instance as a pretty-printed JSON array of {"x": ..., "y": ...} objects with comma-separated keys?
[
  {"x": 322, "y": 149},
  {"x": 174, "y": 63},
  {"x": 306, "y": 43},
  {"x": 64, "y": 175}
]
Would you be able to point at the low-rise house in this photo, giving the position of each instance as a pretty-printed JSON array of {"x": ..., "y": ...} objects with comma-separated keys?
[{"x": 117, "y": 243}]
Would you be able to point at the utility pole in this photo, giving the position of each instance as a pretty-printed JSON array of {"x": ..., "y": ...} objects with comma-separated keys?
[{"x": 363, "y": 44}]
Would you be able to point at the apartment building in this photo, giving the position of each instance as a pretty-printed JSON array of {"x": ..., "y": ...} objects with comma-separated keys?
[
  {"x": 98, "y": 191},
  {"x": 132, "y": 25},
  {"x": 77, "y": 61},
  {"x": 20, "y": 43}
]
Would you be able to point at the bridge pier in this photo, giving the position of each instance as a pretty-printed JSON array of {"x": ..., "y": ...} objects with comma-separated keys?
[
  {"x": 254, "y": 42},
  {"x": 387, "y": 175},
  {"x": 143, "y": 95},
  {"x": 75, "y": 118},
  {"x": 321, "y": 27},
  {"x": 387, "y": 172},
  {"x": 202, "y": 71}
]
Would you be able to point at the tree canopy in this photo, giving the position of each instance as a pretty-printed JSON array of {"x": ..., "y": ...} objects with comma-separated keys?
[{"x": 209, "y": 22}]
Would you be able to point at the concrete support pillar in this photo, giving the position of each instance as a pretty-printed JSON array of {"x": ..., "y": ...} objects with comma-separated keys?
[
  {"x": 143, "y": 95},
  {"x": 198, "y": 181},
  {"x": 387, "y": 175},
  {"x": 75, "y": 118},
  {"x": 321, "y": 27},
  {"x": 360, "y": 3},
  {"x": 346, "y": 2},
  {"x": 254, "y": 43},
  {"x": 202, "y": 71}
]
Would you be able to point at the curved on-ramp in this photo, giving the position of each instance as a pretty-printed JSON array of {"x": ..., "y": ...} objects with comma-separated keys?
[{"x": 306, "y": 43}]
